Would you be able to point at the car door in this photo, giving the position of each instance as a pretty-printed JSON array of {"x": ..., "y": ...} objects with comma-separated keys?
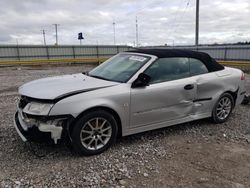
[
  {"x": 169, "y": 96},
  {"x": 208, "y": 86}
]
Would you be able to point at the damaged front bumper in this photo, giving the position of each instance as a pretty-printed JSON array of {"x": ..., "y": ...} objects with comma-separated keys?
[{"x": 40, "y": 128}]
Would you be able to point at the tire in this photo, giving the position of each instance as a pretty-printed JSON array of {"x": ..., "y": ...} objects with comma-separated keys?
[
  {"x": 223, "y": 108},
  {"x": 94, "y": 132}
]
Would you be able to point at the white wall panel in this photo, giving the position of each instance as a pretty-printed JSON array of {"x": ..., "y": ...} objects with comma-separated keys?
[{"x": 26, "y": 52}]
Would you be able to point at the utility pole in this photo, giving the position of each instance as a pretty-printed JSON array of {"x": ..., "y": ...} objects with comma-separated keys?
[
  {"x": 44, "y": 38},
  {"x": 197, "y": 23},
  {"x": 56, "y": 25},
  {"x": 114, "y": 32},
  {"x": 136, "y": 30}
]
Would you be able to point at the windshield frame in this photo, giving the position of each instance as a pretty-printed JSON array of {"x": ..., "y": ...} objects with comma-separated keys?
[{"x": 149, "y": 59}]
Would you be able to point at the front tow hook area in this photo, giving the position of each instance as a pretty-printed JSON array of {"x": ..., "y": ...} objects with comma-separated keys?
[
  {"x": 55, "y": 131},
  {"x": 40, "y": 131}
]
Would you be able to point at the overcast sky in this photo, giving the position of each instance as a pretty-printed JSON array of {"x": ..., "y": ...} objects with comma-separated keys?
[{"x": 160, "y": 21}]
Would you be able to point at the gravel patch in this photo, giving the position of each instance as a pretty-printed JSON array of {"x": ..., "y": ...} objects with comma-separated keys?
[{"x": 195, "y": 154}]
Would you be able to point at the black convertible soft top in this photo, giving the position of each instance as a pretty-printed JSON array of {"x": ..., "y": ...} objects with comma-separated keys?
[{"x": 210, "y": 63}]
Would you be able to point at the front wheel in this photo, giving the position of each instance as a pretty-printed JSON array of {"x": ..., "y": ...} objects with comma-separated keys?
[
  {"x": 94, "y": 132},
  {"x": 223, "y": 108}
]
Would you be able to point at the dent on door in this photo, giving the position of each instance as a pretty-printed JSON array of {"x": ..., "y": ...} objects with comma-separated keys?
[
  {"x": 209, "y": 87},
  {"x": 162, "y": 102}
]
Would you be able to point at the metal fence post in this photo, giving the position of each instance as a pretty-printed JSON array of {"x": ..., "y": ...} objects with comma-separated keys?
[
  {"x": 74, "y": 53},
  {"x": 117, "y": 49},
  {"x": 97, "y": 54},
  {"x": 18, "y": 53},
  {"x": 47, "y": 51},
  {"x": 225, "y": 54}
]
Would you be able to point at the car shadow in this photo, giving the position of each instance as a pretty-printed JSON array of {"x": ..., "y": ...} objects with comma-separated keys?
[
  {"x": 61, "y": 150},
  {"x": 166, "y": 131}
]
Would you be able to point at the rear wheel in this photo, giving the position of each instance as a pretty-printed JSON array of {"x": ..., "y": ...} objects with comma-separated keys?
[
  {"x": 94, "y": 133},
  {"x": 223, "y": 108}
]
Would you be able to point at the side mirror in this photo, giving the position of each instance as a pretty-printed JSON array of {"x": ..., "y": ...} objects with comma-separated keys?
[{"x": 141, "y": 81}]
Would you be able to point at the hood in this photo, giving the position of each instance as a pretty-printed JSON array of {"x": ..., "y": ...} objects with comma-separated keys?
[{"x": 53, "y": 88}]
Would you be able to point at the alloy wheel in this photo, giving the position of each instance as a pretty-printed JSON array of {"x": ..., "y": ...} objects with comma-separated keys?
[
  {"x": 224, "y": 108},
  {"x": 96, "y": 133}
]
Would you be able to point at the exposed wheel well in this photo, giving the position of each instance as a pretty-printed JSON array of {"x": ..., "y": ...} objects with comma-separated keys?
[
  {"x": 234, "y": 95},
  {"x": 111, "y": 111}
]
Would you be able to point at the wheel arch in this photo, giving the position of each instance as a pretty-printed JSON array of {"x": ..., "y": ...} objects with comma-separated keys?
[
  {"x": 233, "y": 94},
  {"x": 107, "y": 109}
]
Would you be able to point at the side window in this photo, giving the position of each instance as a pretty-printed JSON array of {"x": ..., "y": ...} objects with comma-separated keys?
[
  {"x": 197, "y": 67},
  {"x": 167, "y": 69}
]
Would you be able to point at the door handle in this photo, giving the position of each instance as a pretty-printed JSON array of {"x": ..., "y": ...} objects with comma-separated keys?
[{"x": 189, "y": 87}]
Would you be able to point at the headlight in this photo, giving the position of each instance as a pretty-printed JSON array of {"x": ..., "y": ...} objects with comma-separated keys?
[{"x": 36, "y": 108}]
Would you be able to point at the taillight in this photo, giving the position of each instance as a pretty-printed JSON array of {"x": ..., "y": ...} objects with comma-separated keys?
[{"x": 243, "y": 77}]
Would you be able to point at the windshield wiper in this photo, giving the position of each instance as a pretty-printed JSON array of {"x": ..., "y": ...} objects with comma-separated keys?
[{"x": 99, "y": 77}]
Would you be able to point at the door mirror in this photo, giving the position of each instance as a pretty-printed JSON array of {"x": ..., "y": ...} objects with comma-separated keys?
[{"x": 141, "y": 81}]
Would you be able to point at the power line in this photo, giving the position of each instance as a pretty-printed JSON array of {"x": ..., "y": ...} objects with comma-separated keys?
[
  {"x": 178, "y": 24},
  {"x": 146, "y": 6},
  {"x": 138, "y": 11},
  {"x": 175, "y": 14},
  {"x": 172, "y": 25}
]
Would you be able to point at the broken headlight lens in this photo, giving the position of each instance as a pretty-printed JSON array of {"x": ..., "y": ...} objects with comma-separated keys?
[{"x": 35, "y": 108}]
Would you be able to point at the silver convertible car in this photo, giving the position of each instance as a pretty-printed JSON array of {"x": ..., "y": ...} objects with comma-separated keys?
[{"x": 132, "y": 92}]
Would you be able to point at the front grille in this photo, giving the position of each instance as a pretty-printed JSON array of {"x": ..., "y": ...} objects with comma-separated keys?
[{"x": 23, "y": 102}]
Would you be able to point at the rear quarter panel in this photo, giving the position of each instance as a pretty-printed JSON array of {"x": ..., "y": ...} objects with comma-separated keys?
[{"x": 214, "y": 84}]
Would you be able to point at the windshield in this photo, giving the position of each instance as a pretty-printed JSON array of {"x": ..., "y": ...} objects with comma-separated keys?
[{"x": 120, "y": 68}]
